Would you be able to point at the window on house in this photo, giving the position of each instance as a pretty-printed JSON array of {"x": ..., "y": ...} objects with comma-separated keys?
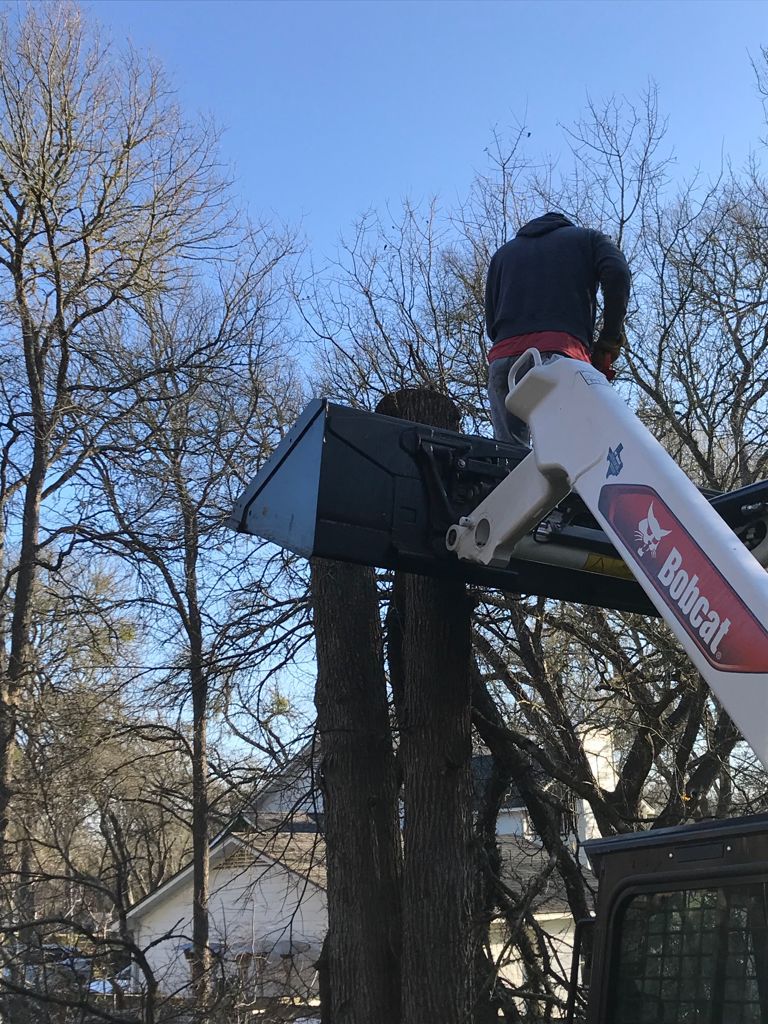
[{"x": 693, "y": 956}]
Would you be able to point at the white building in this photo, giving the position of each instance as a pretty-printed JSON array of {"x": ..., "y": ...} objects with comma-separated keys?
[
  {"x": 267, "y": 907},
  {"x": 267, "y": 911}
]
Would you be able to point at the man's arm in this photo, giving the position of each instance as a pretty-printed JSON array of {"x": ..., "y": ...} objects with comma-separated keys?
[
  {"x": 491, "y": 285},
  {"x": 613, "y": 274},
  {"x": 614, "y": 277}
]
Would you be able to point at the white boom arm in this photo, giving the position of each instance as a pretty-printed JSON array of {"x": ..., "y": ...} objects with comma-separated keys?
[{"x": 709, "y": 589}]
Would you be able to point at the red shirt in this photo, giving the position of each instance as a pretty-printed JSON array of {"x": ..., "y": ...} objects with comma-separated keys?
[{"x": 544, "y": 341}]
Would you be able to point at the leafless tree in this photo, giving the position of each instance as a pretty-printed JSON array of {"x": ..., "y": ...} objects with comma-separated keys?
[
  {"x": 114, "y": 214},
  {"x": 100, "y": 804},
  {"x": 105, "y": 189},
  {"x": 168, "y": 481},
  {"x": 360, "y": 964}
]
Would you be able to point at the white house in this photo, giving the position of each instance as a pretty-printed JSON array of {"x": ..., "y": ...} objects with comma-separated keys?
[
  {"x": 267, "y": 905},
  {"x": 267, "y": 911}
]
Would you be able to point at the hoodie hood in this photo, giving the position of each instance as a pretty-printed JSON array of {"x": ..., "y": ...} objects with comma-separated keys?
[{"x": 543, "y": 225}]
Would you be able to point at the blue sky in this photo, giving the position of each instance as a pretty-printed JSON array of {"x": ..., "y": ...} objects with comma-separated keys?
[{"x": 334, "y": 107}]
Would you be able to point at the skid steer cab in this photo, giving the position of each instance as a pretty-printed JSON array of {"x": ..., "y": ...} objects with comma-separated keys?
[{"x": 681, "y": 933}]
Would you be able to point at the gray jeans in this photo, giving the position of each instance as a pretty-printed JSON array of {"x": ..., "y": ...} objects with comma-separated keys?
[{"x": 506, "y": 427}]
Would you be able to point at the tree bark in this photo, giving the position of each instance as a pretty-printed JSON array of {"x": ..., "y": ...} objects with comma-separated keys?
[
  {"x": 430, "y": 649},
  {"x": 201, "y": 955},
  {"x": 200, "y": 840},
  {"x": 362, "y": 951}
]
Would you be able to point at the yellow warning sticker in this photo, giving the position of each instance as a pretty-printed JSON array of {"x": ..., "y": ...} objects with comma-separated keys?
[{"x": 607, "y": 566}]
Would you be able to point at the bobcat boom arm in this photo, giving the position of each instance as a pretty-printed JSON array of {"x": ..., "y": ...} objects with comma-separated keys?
[{"x": 702, "y": 580}]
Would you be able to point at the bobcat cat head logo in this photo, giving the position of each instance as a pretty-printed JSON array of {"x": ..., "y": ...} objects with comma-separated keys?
[{"x": 649, "y": 533}]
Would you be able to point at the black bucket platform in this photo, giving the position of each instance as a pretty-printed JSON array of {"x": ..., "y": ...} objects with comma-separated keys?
[{"x": 361, "y": 487}]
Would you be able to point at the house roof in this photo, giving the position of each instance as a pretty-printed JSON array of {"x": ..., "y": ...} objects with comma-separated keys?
[
  {"x": 293, "y": 841},
  {"x": 482, "y": 768},
  {"x": 301, "y": 852},
  {"x": 523, "y": 863},
  {"x": 299, "y": 848},
  {"x": 303, "y": 764}
]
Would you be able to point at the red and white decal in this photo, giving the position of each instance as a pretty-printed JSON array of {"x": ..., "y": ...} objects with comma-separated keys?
[{"x": 702, "y": 600}]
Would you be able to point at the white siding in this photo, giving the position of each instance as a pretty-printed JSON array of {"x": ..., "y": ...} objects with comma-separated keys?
[
  {"x": 598, "y": 746},
  {"x": 254, "y": 908},
  {"x": 559, "y": 928},
  {"x": 512, "y": 822}
]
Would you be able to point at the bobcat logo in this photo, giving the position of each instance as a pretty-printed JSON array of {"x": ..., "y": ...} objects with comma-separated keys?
[{"x": 649, "y": 533}]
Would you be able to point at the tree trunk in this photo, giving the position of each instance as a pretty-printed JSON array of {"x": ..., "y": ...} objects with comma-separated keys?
[
  {"x": 431, "y": 682},
  {"x": 198, "y": 678},
  {"x": 21, "y": 615},
  {"x": 201, "y": 958},
  {"x": 362, "y": 951},
  {"x": 200, "y": 857},
  {"x": 7, "y": 747}
]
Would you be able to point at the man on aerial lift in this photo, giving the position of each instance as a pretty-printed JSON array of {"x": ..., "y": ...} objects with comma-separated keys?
[{"x": 541, "y": 293}]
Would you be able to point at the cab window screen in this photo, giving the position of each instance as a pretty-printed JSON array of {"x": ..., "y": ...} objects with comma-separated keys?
[{"x": 696, "y": 956}]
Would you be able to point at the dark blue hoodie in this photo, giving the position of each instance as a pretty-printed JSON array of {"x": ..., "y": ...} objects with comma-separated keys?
[{"x": 546, "y": 279}]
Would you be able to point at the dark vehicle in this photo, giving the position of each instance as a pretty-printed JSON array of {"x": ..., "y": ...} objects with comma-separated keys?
[{"x": 681, "y": 933}]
